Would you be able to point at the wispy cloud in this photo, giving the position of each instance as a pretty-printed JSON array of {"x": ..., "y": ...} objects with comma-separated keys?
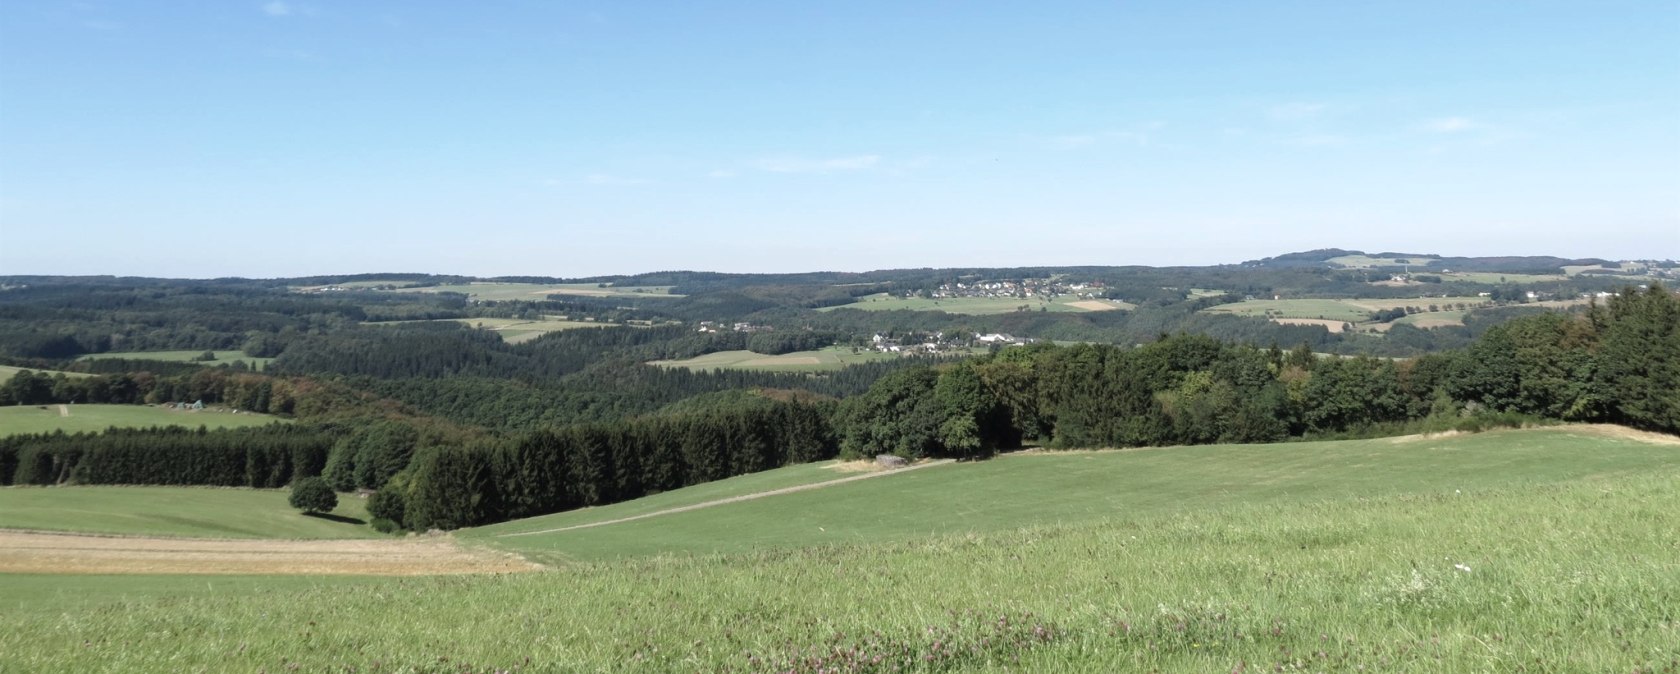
[
  {"x": 806, "y": 165},
  {"x": 1451, "y": 125},
  {"x": 277, "y": 8}
]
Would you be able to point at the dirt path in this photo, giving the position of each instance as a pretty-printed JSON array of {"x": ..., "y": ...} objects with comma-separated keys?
[
  {"x": 734, "y": 499},
  {"x": 63, "y": 410},
  {"x": 35, "y": 552}
]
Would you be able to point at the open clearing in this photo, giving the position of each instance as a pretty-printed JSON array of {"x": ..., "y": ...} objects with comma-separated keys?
[
  {"x": 19, "y": 419},
  {"x": 979, "y": 305},
  {"x": 222, "y": 357},
  {"x": 821, "y": 360},
  {"x": 1549, "y": 548},
  {"x": 536, "y": 291},
  {"x": 29, "y": 552}
]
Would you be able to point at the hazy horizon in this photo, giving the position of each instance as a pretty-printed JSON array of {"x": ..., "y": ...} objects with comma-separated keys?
[{"x": 282, "y": 138}]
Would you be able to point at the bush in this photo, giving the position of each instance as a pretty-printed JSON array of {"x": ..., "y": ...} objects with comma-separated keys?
[
  {"x": 313, "y": 495},
  {"x": 384, "y": 526},
  {"x": 387, "y": 504}
]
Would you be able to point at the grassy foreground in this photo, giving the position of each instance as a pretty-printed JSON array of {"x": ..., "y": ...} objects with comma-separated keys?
[
  {"x": 19, "y": 419},
  {"x": 1563, "y": 578},
  {"x": 199, "y": 512}
]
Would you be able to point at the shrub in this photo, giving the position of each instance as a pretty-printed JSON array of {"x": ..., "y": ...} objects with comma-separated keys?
[
  {"x": 313, "y": 495},
  {"x": 387, "y": 504},
  {"x": 384, "y": 526}
]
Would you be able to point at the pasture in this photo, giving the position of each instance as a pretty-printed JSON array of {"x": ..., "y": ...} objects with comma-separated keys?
[
  {"x": 980, "y": 306},
  {"x": 537, "y": 291},
  {"x": 222, "y": 357},
  {"x": 19, "y": 419},
  {"x": 1495, "y": 278},
  {"x": 1433, "y": 319},
  {"x": 1545, "y": 548},
  {"x": 199, "y": 512},
  {"x": 821, "y": 360}
]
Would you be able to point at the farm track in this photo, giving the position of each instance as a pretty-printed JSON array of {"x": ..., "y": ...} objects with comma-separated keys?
[
  {"x": 732, "y": 499},
  {"x": 38, "y": 552}
]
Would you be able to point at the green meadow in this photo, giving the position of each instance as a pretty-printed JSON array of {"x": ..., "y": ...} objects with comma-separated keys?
[
  {"x": 537, "y": 291},
  {"x": 1547, "y": 550},
  {"x": 979, "y": 305},
  {"x": 820, "y": 360},
  {"x": 7, "y": 372},
  {"x": 1029, "y": 489},
  {"x": 1367, "y": 262},
  {"x": 20, "y": 419},
  {"x": 1346, "y": 310},
  {"x": 514, "y": 330},
  {"x": 222, "y": 357},
  {"x": 196, "y": 512}
]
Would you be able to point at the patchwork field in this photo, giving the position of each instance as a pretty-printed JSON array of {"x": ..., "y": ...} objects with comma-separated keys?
[
  {"x": 1545, "y": 548},
  {"x": 534, "y": 291},
  {"x": 222, "y": 357},
  {"x": 979, "y": 305},
  {"x": 821, "y": 360},
  {"x": 19, "y": 419}
]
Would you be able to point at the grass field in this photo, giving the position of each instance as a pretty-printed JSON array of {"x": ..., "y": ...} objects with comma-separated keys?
[
  {"x": 1433, "y": 319},
  {"x": 20, "y": 419},
  {"x": 1497, "y": 277},
  {"x": 1346, "y": 310},
  {"x": 201, "y": 512},
  {"x": 1367, "y": 262},
  {"x": 7, "y": 372},
  {"x": 791, "y": 476},
  {"x": 514, "y": 330},
  {"x": 1025, "y": 490},
  {"x": 222, "y": 357},
  {"x": 534, "y": 291},
  {"x": 1541, "y": 551},
  {"x": 979, "y": 305},
  {"x": 821, "y": 360}
]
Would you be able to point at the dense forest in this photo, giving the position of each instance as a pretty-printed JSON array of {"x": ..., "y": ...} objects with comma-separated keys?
[{"x": 399, "y": 392}]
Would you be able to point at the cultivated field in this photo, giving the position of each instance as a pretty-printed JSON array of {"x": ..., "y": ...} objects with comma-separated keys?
[
  {"x": 222, "y": 357},
  {"x": 980, "y": 305},
  {"x": 1498, "y": 277},
  {"x": 19, "y": 419},
  {"x": 535, "y": 291},
  {"x": 1547, "y": 548},
  {"x": 821, "y": 360}
]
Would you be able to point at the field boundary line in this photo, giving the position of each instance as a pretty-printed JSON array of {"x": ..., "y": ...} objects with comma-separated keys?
[{"x": 733, "y": 499}]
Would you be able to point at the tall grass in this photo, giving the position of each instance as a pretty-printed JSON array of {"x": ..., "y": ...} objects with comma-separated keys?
[{"x": 1577, "y": 577}]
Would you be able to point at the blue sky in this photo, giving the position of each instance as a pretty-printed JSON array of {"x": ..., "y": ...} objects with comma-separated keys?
[{"x": 576, "y": 138}]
